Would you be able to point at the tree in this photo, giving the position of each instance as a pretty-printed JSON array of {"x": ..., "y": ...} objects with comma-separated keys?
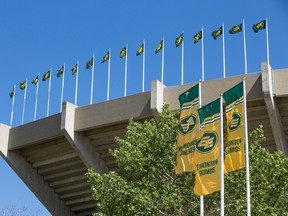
[{"x": 146, "y": 183}]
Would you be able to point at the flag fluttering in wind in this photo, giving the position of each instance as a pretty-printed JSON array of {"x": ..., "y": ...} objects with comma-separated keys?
[
  {"x": 60, "y": 71},
  {"x": 197, "y": 37},
  {"x": 159, "y": 47},
  {"x": 123, "y": 52},
  {"x": 12, "y": 93},
  {"x": 75, "y": 69},
  {"x": 140, "y": 50},
  {"x": 106, "y": 57},
  {"x": 236, "y": 29},
  {"x": 217, "y": 33},
  {"x": 89, "y": 64},
  {"x": 46, "y": 76},
  {"x": 36, "y": 80},
  {"x": 179, "y": 40},
  {"x": 259, "y": 26},
  {"x": 23, "y": 85}
]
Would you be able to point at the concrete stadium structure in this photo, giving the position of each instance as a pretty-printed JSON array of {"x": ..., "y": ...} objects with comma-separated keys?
[{"x": 51, "y": 155}]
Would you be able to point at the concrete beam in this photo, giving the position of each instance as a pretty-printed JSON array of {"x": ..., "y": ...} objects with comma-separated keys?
[
  {"x": 31, "y": 178},
  {"x": 157, "y": 98},
  {"x": 81, "y": 145},
  {"x": 273, "y": 109}
]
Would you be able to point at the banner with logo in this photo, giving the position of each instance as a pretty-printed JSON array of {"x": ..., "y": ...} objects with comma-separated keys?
[
  {"x": 234, "y": 144},
  {"x": 207, "y": 154},
  {"x": 187, "y": 130}
]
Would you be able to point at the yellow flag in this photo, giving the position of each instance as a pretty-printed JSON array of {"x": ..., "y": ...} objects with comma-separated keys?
[
  {"x": 187, "y": 130},
  {"x": 234, "y": 145},
  {"x": 207, "y": 154}
]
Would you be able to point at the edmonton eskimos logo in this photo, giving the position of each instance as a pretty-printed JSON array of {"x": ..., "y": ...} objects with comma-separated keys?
[
  {"x": 207, "y": 142},
  {"x": 187, "y": 124},
  {"x": 235, "y": 121}
]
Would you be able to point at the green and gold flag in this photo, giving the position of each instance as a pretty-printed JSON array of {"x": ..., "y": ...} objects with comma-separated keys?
[
  {"x": 234, "y": 142},
  {"x": 187, "y": 130},
  {"x": 123, "y": 52},
  {"x": 106, "y": 57},
  {"x": 217, "y": 33},
  {"x": 259, "y": 26},
  {"x": 236, "y": 29},
  {"x": 159, "y": 47},
  {"x": 89, "y": 64},
  {"x": 60, "y": 71},
  {"x": 197, "y": 37},
  {"x": 22, "y": 85},
  {"x": 207, "y": 154},
  {"x": 179, "y": 40},
  {"x": 46, "y": 76},
  {"x": 36, "y": 80},
  {"x": 12, "y": 93},
  {"x": 140, "y": 50},
  {"x": 75, "y": 69}
]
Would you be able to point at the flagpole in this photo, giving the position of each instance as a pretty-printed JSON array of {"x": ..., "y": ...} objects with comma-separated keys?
[
  {"x": 201, "y": 197},
  {"x": 24, "y": 102},
  {"x": 49, "y": 89},
  {"x": 162, "y": 73},
  {"x": 108, "y": 80},
  {"x": 267, "y": 43},
  {"x": 221, "y": 158},
  {"x": 36, "y": 99},
  {"x": 143, "y": 72},
  {"x": 223, "y": 43},
  {"x": 202, "y": 55},
  {"x": 92, "y": 80},
  {"x": 76, "y": 84},
  {"x": 247, "y": 151},
  {"x": 62, "y": 89},
  {"x": 182, "y": 63},
  {"x": 244, "y": 43},
  {"x": 12, "y": 109},
  {"x": 125, "y": 75}
]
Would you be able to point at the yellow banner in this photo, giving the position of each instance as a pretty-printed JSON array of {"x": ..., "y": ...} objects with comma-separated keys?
[
  {"x": 187, "y": 130},
  {"x": 207, "y": 154}
]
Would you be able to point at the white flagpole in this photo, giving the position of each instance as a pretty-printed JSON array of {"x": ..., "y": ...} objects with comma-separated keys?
[
  {"x": 201, "y": 197},
  {"x": 223, "y": 43},
  {"x": 49, "y": 89},
  {"x": 244, "y": 43},
  {"x": 108, "y": 80},
  {"x": 202, "y": 55},
  {"x": 76, "y": 84},
  {"x": 267, "y": 43},
  {"x": 36, "y": 99},
  {"x": 92, "y": 80},
  {"x": 143, "y": 72},
  {"x": 221, "y": 158},
  {"x": 24, "y": 102},
  {"x": 182, "y": 63},
  {"x": 247, "y": 151},
  {"x": 125, "y": 78},
  {"x": 12, "y": 110},
  {"x": 162, "y": 73},
  {"x": 62, "y": 89}
]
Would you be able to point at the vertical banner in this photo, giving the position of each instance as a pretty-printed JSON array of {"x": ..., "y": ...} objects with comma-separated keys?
[
  {"x": 187, "y": 130},
  {"x": 207, "y": 154},
  {"x": 234, "y": 145}
]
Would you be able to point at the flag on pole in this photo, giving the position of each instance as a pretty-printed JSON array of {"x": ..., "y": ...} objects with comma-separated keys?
[
  {"x": 187, "y": 130},
  {"x": 89, "y": 64},
  {"x": 207, "y": 154},
  {"x": 106, "y": 57},
  {"x": 140, "y": 50},
  {"x": 12, "y": 93},
  {"x": 234, "y": 145},
  {"x": 60, "y": 71},
  {"x": 236, "y": 29},
  {"x": 217, "y": 33},
  {"x": 159, "y": 47},
  {"x": 75, "y": 68},
  {"x": 259, "y": 26},
  {"x": 197, "y": 37},
  {"x": 179, "y": 40},
  {"x": 23, "y": 85},
  {"x": 123, "y": 52},
  {"x": 36, "y": 80},
  {"x": 46, "y": 76}
]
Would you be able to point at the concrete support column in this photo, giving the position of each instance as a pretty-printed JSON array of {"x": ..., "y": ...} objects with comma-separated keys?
[{"x": 157, "y": 97}]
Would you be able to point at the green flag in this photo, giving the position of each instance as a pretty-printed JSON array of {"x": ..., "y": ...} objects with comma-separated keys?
[
  {"x": 236, "y": 29},
  {"x": 23, "y": 85},
  {"x": 106, "y": 57},
  {"x": 46, "y": 76},
  {"x": 123, "y": 52},
  {"x": 197, "y": 37},
  {"x": 60, "y": 71},
  {"x": 179, "y": 40},
  {"x": 12, "y": 93},
  {"x": 259, "y": 26},
  {"x": 89, "y": 64},
  {"x": 140, "y": 50},
  {"x": 36, "y": 80},
  {"x": 217, "y": 33},
  {"x": 159, "y": 47},
  {"x": 75, "y": 69}
]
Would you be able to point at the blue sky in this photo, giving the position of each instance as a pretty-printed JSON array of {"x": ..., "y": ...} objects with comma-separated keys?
[{"x": 36, "y": 36}]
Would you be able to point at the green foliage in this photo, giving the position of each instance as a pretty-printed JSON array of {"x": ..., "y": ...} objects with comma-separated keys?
[{"x": 146, "y": 183}]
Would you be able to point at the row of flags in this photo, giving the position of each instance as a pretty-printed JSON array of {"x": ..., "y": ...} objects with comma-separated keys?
[{"x": 206, "y": 144}]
